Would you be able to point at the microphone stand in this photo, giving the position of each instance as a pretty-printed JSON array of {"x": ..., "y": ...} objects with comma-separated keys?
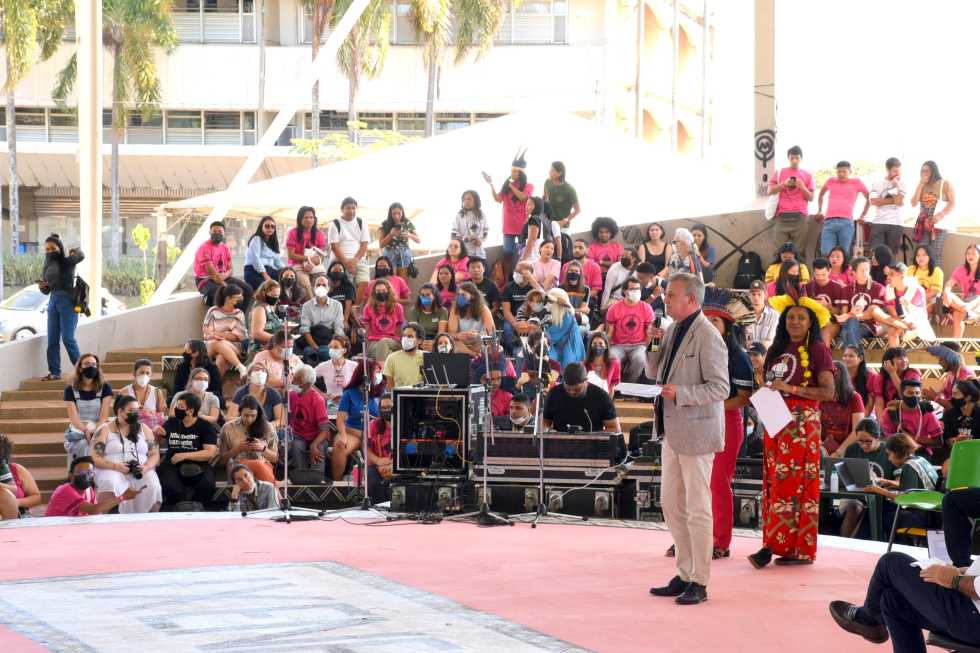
[
  {"x": 285, "y": 513},
  {"x": 542, "y": 510},
  {"x": 483, "y": 515}
]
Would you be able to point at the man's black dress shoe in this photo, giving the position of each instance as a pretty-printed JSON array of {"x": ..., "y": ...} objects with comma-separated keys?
[
  {"x": 675, "y": 587},
  {"x": 693, "y": 595}
]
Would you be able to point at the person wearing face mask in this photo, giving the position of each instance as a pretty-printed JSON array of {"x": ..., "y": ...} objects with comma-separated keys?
[
  {"x": 195, "y": 355},
  {"x": 959, "y": 422},
  {"x": 274, "y": 360},
  {"x": 212, "y": 268},
  {"x": 249, "y": 440},
  {"x": 190, "y": 443},
  {"x": 350, "y": 416},
  {"x": 428, "y": 314},
  {"x": 564, "y": 336},
  {"x": 58, "y": 281},
  {"x": 443, "y": 344},
  {"x": 886, "y": 388},
  {"x": 617, "y": 275},
  {"x": 591, "y": 272},
  {"x": 336, "y": 373},
  {"x": 383, "y": 269},
  {"x": 382, "y": 318},
  {"x": 683, "y": 258},
  {"x": 948, "y": 356},
  {"x": 265, "y": 319},
  {"x": 404, "y": 368},
  {"x": 293, "y": 293},
  {"x": 626, "y": 327},
  {"x": 379, "y": 450},
  {"x": 579, "y": 294},
  {"x": 599, "y": 362},
  {"x": 152, "y": 404},
  {"x": 469, "y": 320},
  {"x": 913, "y": 416},
  {"x": 533, "y": 315},
  {"x": 308, "y": 421},
  {"x": 88, "y": 400},
  {"x": 513, "y": 299},
  {"x": 210, "y": 410},
  {"x": 342, "y": 290},
  {"x": 77, "y": 498},
  {"x": 258, "y": 388},
  {"x": 320, "y": 318},
  {"x": 121, "y": 447},
  {"x": 518, "y": 418},
  {"x": 225, "y": 332}
]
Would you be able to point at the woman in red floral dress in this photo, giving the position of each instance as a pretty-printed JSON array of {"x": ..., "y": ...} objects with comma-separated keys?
[{"x": 799, "y": 366}]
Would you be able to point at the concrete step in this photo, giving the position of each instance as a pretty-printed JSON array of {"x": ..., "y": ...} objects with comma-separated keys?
[
  {"x": 115, "y": 379},
  {"x": 48, "y": 478},
  {"x": 626, "y": 408},
  {"x": 153, "y": 353},
  {"x": 51, "y": 442},
  {"x": 53, "y": 394},
  {"x": 126, "y": 367},
  {"x": 34, "y": 461},
  {"x": 34, "y": 425},
  {"x": 32, "y": 409}
]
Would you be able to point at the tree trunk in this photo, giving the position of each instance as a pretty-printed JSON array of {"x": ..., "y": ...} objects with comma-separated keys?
[
  {"x": 115, "y": 224},
  {"x": 260, "y": 37},
  {"x": 353, "y": 129},
  {"x": 12, "y": 155},
  {"x": 430, "y": 99},
  {"x": 318, "y": 22}
]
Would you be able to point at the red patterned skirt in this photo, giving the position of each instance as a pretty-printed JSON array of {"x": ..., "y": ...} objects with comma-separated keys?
[{"x": 791, "y": 484}]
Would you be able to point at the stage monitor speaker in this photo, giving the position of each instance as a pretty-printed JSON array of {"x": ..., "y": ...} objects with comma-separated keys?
[{"x": 435, "y": 429}]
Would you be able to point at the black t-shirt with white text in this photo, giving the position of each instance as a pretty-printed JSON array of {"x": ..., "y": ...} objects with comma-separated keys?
[
  {"x": 188, "y": 439},
  {"x": 515, "y": 295}
]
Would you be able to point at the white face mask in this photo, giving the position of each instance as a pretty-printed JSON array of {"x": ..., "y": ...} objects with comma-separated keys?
[
  {"x": 520, "y": 421},
  {"x": 336, "y": 354},
  {"x": 378, "y": 378},
  {"x": 518, "y": 278},
  {"x": 408, "y": 344},
  {"x": 199, "y": 386},
  {"x": 321, "y": 292},
  {"x": 258, "y": 377},
  {"x": 142, "y": 380},
  {"x": 445, "y": 349},
  {"x": 633, "y": 295}
]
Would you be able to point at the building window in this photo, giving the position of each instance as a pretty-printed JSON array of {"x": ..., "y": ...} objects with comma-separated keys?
[
  {"x": 404, "y": 24},
  {"x": 222, "y": 120},
  {"x": 449, "y": 121},
  {"x": 410, "y": 122},
  {"x": 482, "y": 117},
  {"x": 385, "y": 121},
  {"x": 214, "y": 21},
  {"x": 534, "y": 22},
  {"x": 183, "y": 120},
  {"x": 306, "y": 33},
  {"x": 29, "y": 118},
  {"x": 136, "y": 119}
]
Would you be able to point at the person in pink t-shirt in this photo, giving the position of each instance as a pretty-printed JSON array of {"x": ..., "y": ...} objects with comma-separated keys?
[
  {"x": 383, "y": 269},
  {"x": 603, "y": 250},
  {"x": 838, "y": 226},
  {"x": 76, "y": 498},
  {"x": 513, "y": 195},
  {"x": 626, "y": 325},
  {"x": 212, "y": 267},
  {"x": 794, "y": 185},
  {"x": 965, "y": 304},
  {"x": 591, "y": 272},
  {"x": 457, "y": 258},
  {"x": 301, "y": 241},
  {"x": 383, "y": 318}
]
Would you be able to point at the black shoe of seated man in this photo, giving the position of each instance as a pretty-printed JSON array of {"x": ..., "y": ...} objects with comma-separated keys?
[
  {"x": 693, "y": 595},
  {"x": 761, "y": 558},
  {"x": 854, "y": 620},
  {"x": 675, "y": 587}
]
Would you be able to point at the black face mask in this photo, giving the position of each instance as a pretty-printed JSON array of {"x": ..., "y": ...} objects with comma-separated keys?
[
  {"x": 336, "y": 275},
  {"x": 626, "y": 261},
  {"x": 386, "y": 415},
  {"x": 573, "y": 277},
  {"x": 287, "y": 282},
  {"x": 83, "y": 481},
  {"x": 180, "y": 413},
  {"x": 598, "y": 350},
  {"x": 186, "y": 357},
  {"x": 90, "y": 372},
  {"x": 381, "y": 296},
  {"x": 132, "y": 419},
  {"x": 272, "y": 301},
  {"x": 382, "y": 272},
  {"x": 793, "y": 278},
  {"x": 911, "y": 402},
  {"x": 957, "y": 403},
  {"x": 217, "y": 238}
]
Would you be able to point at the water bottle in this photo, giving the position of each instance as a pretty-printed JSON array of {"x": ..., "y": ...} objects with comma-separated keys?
[
  {"x": 834, "y": 482},
  {"x": 655, "y": 343}
]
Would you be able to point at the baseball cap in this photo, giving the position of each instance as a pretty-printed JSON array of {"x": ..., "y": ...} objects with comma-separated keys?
[
  {"x": 758, "y": 284},
  {"x": 757, "y": 348}
]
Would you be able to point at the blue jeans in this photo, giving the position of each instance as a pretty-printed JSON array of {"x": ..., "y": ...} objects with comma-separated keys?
[
  {"x": 510, "y": 244},
  {"x": 509, "y": 337},
  {"x": 255, "y": 279},
  {"x": 852, "y": 332},
  {"x": 62, "y": 320},
  {"x": 836, "y": 232}
]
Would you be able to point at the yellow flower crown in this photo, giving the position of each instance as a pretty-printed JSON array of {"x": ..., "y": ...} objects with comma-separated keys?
[{"x": 783, "y": 302}]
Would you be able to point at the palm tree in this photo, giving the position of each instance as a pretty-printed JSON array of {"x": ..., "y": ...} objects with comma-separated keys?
[
  {"x": 27, "y": 26},
  {"x": 363, "y": 52},
  {"x": 130, "y": 31},
  {"x": 321, "y": 10},
  {"x": 476, "y": 23}
]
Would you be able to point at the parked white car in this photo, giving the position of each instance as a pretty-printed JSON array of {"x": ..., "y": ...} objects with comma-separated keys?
[{"x": 25, "y": 313}]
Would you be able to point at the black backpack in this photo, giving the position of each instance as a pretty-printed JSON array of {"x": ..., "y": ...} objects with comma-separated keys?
[
  {"x": 566, "y": 248},
  {"x": 749, "y": 269},
  {"x": 79, "y": 297}
]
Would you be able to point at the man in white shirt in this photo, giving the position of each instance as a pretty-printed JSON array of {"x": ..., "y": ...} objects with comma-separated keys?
[
  {"x": 888, "y": 197},
  {"x": 348, "y": 238},
  {"x": 903, "y": 600},
  {"x": 766, "y": 318},
  {"x": 617, "y": 275}
]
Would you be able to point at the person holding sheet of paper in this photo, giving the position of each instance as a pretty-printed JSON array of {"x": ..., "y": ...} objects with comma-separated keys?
[
  {"x": 692, "y": 366},
  {"x": 800, "y": 367}
]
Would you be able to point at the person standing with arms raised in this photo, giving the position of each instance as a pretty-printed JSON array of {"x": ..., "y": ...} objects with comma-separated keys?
[{"x": 692, "y": 366}]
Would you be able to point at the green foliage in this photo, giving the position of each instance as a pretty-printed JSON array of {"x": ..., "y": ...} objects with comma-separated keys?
[
  {"x": 338, "y": 146},
  {"x": 121, "y": 280},
  {"x": 30, "y": 25},
  {"x": 172, "y": 254},
  {"x": 147, "y": 288},
  {"x": 141, "y": 237}
]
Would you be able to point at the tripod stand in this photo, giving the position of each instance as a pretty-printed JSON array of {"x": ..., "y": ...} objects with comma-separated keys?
[
  {"x": 285, "y": 513},
  {"x": 542, "y": 509},
  {"x": 483, "y": 515}
]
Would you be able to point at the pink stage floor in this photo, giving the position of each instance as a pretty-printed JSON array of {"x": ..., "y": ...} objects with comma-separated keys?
[{"x": 584, "y": 587}]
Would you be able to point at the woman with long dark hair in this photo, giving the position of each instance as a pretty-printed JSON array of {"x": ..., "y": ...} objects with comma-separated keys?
[
  {"x": 928, "y": 274},
  {"x": 560, "y": 196},
  {"x": 262, "y": 259},
  {"x": 932, "y": 190},
  {"x": 306, "y": 247},
  {"x": 469, "y": 319},
  {"x": 786, "y": 252},
  {"x": 798, "y": 365},
  {"x": 704, "y": 251},
  {"x": 471, "y": 225},
  {"x": 58, "y": 281},
  {"x": 513, "y": 195},
  {"x": 840, "y": 415},
  {"x": 881, "y": 258},
  {"x": 428, "y": 313},
  {"x": 382, "y": 318},
  {"x": 788, "y": 281},
  {"x": 964, "y": 305},
  {"x": 840, "y": 266},
  {"x": 250, "y": 439},
  {"x": 396, "y": 231},
  {"x": 350, "y": 415},
  {"x": 655, "y": 250},
  {"x": 894, "y": 369},
  {"x": 457, "y": 258},
  {"x": 88, "y": 399},
  {"x": 195, "y": 355},
  {"x": 293, "y": 293},
  {"x": 445, "y": 283},
  {"x": 862, "y": 379}
]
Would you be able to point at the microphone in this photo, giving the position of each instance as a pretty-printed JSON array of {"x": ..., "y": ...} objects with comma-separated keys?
[
  {"x": 359, "y": 331},
  {"x": 589, "y": 417}
]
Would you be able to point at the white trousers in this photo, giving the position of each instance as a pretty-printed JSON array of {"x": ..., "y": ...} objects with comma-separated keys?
[{"x": 685, "y": 496}]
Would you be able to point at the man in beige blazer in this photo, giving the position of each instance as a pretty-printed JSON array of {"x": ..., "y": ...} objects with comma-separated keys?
[{"x": 692, "y": 366}]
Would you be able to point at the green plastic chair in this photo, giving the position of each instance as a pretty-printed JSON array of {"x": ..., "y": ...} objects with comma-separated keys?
[{"x": 964, "y": 472}]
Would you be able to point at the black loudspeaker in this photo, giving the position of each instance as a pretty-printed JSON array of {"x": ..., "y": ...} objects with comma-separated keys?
[{"x": 435, "y": 429}]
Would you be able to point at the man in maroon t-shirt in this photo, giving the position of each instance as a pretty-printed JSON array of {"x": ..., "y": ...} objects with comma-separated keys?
[
  {"x": 865, "y": 305},
  {"x": 829, "y": 293}
]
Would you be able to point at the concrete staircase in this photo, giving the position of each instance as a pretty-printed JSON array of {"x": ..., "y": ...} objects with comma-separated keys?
[{"x": 35, "y": 417}]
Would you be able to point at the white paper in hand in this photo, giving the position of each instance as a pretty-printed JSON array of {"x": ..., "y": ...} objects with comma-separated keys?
[
  {"x": 640, "y": 390},
  {"x": 772, "y": 410}
]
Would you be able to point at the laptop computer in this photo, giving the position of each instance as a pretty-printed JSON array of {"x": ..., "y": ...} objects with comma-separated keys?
[
  {"x": 451, "y": 370},
  {"x": 855, "y": 473}
]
